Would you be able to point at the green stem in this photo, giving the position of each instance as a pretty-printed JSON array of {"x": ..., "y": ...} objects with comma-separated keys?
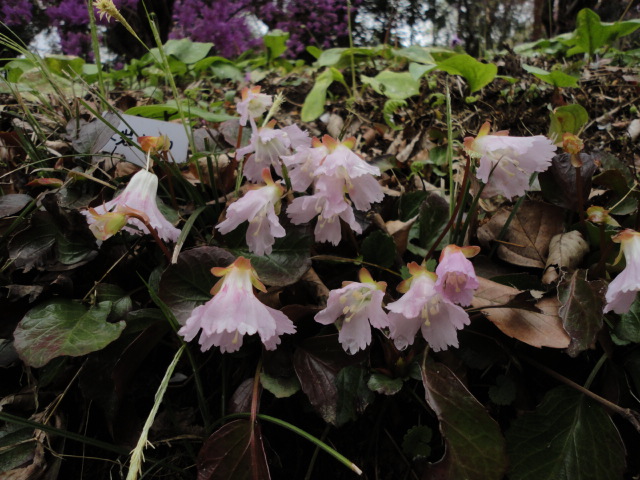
[
  {"x": 316, "y": 441},
  {"x": 95, "y": 45},
  {"x": 595, "y": 371}
]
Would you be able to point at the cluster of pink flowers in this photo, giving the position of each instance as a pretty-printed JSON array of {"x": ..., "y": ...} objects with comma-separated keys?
[
  {"x": 335, "y": 171},
  {"x": 341, "y": 180},
  {"x": 428, "y": 304},
  {"x": 506, "y": 163}
]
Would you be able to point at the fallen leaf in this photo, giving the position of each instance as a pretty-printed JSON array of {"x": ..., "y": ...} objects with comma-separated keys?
[
  {"x": 526, "y": 242},
  {"x": 566, "y": 251},
  {"x": 542, "y": 329},
  {"x": 399, "y": 230}
]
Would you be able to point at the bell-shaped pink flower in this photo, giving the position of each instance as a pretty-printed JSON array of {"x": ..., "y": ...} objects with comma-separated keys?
[
  {"x": 329, "y": 210},
  {"x": 302, "y": 166},
  {"x": 423, "y": 308},
  {"x": 260, "y": 207},
  {"x": 139, "y": 194},
  {"x": 234, "y": 311},
  {"x": 623, "y": 289},
  {"x": 253, "y": 104},
  {"x": 353, "y": 308},
  {"x": 456, "y": 276},
  {"x": 266, "y": 147},
  {"x": 506, "y": 163}
]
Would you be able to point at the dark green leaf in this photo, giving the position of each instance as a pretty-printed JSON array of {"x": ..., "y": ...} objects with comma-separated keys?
[
  {"x": 504, "y": 391},
  {"x": 29, "y": 247},
  {"x": 63, "y": 327},
  {"x": 434, "y": 215},
  {"x": 353, "y": 394},
  {"x": 379, "y": 248},
  {"x": 629, "y": 326},
  {"x": 415, "y": 443},
  {"x": 568, "y": 437},
  {"x": 475, "y": 447},
  {"x": 409, "y": 204},
  {"x": 381, "y": 383},
  {"x": 288, "y": 261},
  {"x": 234, "y": 452},
  {"x": 187, "y": 283},
  {"x": 121, "y": 303},
  {"x": 581, "y": 311}
]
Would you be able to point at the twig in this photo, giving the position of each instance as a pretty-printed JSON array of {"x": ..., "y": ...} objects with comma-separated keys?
[{"x": 631, "y": 416}]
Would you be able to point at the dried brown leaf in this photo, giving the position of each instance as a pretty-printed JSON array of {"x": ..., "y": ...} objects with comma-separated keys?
[
  {"x": 566, "y": 251},
  {"x": 399, "y": 230},
  {"x": 526, "y": 242},
  {"x": 536, "y": 329}
]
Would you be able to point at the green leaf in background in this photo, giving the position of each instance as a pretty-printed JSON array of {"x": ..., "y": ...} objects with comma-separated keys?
[
  {"x": 557, "y": 78},
  {"x": 183, "y": 50},
  {"x": 391, "y": 107},
  {"x": 276, "y": 43},
  {"x": 433, "y": 216},
  {"x": 567, "y": 119},
  {"x": 629, "y": 326},
  {"x": 64, "y": 327},
  {"x": 415, "y": 53},
  {"x": 417, "y": 70},
  {"x": 416, "y": 442},
  {"x": 383, "y": 384},
  {"x": 379, "y": 248},
  {"x": 169, "y": 112},
  {"x": 288, "y": 261},
  {"x": 280, "y": 387},
  {"x": 187, "y": 283},
  {"x": 64, "y": 64},
  {"x": 568, "y": 437},
  {"x": 394, "y": 85},
  {"x": 409, "y": 204},
  {"x": 591, "y": 33},
  {"x": 477, "y": 74},
  {"x": 580, "y": 310},
  {"x": 313, "y": 105},
  {"x": 475, "y": 448},
  {"x": 12, "y": 203}
]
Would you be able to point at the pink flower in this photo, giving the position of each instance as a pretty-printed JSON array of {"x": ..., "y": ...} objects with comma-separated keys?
[
  {"x": 423, "y": 308},
  {"x": 506, "y": 163},
  {"x": 253, "y": 104},
  {"x": 139, "y": 194},
  {"x": 456, "y": 276},
  {"x": 623, "y": 289},
  {"x": 234, "y": 311},
  {"x": 353, "y": 308},
  {"x": 329, "y": 211},
  {"x": 259, "y": 207},
  {"x": 266, "y": 147},
  {"x": 302, "y": 166}
]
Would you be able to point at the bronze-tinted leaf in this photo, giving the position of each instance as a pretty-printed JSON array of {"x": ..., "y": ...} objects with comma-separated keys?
[
  {"x": 317, "y": 362},
  {"x": 542, "y": 329},
  {"x": 475, "y": 448},
  {"x": 234, "y": 452},
  {"x": 581, "y": 311}
]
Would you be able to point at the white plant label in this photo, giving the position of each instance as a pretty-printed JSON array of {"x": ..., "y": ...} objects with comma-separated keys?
[{"x": 134, "y": 127}]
